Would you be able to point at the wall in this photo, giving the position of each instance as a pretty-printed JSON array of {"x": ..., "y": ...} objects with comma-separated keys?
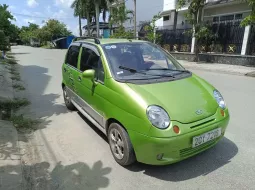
[
  {"x": 170, "y": 21},
  {"x": 225, "y": 9},
  {"x": 243, "y": 60},
  {"x": 169, "y": 5}
]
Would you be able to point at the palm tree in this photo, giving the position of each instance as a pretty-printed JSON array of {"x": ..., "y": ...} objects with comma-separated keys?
[
  {"x": 119, "y": 15},
  {"x": 101, "y": 4},
  {"x": 84, "y": 10},
  {"x": 77, "y": 7}
]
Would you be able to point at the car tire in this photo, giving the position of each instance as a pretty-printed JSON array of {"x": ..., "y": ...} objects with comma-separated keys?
[
  {"x": 120, "y": 145},
  {"x": 67, "y": 100}
]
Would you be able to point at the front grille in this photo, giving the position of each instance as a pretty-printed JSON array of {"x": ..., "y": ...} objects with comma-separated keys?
[
  {"x": 190, "y": 151},
  {"x": 203, "y": 123}
]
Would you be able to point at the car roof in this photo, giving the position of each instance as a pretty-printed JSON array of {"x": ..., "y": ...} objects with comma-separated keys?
[{"x": 109, "y": 41}]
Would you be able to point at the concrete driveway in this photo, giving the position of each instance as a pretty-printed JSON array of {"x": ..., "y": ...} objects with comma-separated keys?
[{"x": 67, "y": 152}]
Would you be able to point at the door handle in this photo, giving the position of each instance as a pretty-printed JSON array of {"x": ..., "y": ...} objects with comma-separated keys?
[{"x": 79, "y": 78}]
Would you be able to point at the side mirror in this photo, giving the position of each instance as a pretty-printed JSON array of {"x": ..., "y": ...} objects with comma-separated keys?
[{"x": 89, "y": 74}]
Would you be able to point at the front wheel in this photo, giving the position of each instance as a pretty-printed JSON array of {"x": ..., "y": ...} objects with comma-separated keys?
[
  {"x": 67, "y": 99},
  {"x": 121, "y": 147}
]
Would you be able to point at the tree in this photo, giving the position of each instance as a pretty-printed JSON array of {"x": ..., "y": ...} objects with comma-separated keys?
[
  {"x": 28, "y": 32},
  {"x": 103, "y": 5},
  {"x": 13, "y": 33},
  {"x": 3, "y": 42},
  {"x": 150, "y": 29},
  {"x": 5, "y": 27},
  {"x": 119, "y": 15},
  {"x": 193, "y": 16},
  {"x": 78, "y": 7},
  {"x": 52, "y": 28},
  {"x": 5, "y": 18},
  {"x": 251, "y": 18}
]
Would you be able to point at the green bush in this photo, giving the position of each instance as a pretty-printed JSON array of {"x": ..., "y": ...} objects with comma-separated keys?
[{"x": 121, "y": 33}]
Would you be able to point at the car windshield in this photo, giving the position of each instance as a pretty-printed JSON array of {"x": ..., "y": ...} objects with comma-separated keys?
[{"x": 141, "y": 61}]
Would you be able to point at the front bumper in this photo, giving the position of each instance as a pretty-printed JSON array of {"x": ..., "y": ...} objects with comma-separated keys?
[{"x": 174, "y": 149}]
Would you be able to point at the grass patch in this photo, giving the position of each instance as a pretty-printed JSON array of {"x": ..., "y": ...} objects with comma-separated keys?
[
  {"x": 21, "y": 122},
  {"x": 16, "y": 77},
  {"x": 19, "y": 87},
  {"x": 10, "y": 56},
  {"x": 13, "y": 104},
  {"x": 11, "y": 61},
  {"x": 14, "y": 72},
  {"x": 3, "y": 61}
]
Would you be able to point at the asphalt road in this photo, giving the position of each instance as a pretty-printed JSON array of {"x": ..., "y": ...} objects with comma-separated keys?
[{"x": 77, "y": 155}]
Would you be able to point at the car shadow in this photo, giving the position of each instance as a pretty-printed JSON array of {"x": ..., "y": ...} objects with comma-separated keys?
[
  {"x": 199, "y": 165},
  {"x": 43, "y": 105},
  {"x": 41, "y": 176},
  {"x": 93, "y": 127}
]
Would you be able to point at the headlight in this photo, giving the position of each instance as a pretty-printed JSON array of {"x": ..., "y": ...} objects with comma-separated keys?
[
  {"x": 218, "y": 97},
  {"x": 158, "y": 117}
]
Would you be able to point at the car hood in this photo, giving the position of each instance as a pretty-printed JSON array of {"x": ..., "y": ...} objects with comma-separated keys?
[{"x": 186, "y": 100}]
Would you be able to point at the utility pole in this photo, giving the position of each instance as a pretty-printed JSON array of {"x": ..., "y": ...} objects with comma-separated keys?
[{"x": 135, "y": 18}]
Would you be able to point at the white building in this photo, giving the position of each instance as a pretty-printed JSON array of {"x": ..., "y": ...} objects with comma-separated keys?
[{"x": 214, "y": 10}]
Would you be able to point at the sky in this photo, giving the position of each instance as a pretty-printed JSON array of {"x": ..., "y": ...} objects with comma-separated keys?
[{"x": 38, "y": 11}]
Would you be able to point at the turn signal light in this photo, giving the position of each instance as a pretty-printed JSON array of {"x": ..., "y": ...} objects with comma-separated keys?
[
  {"x": 222, "y": 113},
  {"x": 176, "y": 129}
]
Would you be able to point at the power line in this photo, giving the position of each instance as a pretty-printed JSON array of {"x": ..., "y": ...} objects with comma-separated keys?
[{"x": 33, "y": 16}]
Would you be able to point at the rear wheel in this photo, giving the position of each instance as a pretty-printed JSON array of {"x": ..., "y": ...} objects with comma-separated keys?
[
  {"x": 67, "y": 99},
  {"x": 121, "y": 147}
]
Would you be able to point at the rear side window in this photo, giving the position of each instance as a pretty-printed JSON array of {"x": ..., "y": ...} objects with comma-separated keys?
[{"x": 72, "y": 56}]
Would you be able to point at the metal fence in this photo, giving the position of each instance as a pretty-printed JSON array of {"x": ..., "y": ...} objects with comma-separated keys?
[
  {"x": 175, "y": 40},
  {"x": 251, "y": 41},
  {"x": 227, "y": 38}
]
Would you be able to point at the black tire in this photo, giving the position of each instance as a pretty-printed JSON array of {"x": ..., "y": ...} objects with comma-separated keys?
[
  {"x": 67, "y": 100},
  {"x": 128, "y": 150}
]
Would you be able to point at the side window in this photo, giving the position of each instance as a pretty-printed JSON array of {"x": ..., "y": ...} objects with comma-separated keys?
[
  {"x": 90, "y": 60},
  {"x": 72, "y": 56}
]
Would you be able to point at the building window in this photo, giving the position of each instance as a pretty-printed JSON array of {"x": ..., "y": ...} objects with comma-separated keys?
[
  {"x": 227, "y": 18},
  {"x": 166, "y": 18},
  {"x": 238, "y": 16}
]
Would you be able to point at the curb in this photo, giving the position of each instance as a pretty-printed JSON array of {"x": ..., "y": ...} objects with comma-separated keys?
[{"x": 215, "y": 70}]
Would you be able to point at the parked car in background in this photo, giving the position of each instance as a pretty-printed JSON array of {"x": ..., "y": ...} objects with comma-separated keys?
[{"x": 149, "y": 106}]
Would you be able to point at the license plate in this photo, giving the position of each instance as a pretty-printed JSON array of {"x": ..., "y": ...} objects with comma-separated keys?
[{"x": 201, "y": 139}]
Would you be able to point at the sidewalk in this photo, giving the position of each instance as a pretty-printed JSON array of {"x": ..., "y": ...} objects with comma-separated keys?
[
  {"x": 10, "y": 159},
  {"x": 220, "y": 68}
]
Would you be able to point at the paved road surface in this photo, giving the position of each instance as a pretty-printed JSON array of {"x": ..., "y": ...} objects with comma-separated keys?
[{"x": 78, "y": 156}]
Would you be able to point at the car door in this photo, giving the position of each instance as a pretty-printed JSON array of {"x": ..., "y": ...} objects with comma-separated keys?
[
  {"x": 70, "y": 69},
  {"x": 92, "y": 101}
]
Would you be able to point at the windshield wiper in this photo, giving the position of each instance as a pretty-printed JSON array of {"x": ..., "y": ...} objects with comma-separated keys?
[
  {"x": 135, "y": 71},
  {"x": 166, "y": 69}
]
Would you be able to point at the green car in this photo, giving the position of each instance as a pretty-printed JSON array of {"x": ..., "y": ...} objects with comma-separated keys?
[{"x": 150, "y": 107}]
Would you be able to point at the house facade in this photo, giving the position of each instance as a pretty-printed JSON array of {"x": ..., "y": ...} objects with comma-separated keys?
[
  {"x": 214, "y": 11},
  {"x": 223, "y": 15}
]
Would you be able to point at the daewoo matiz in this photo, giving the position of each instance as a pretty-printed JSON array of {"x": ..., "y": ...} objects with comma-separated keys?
[{"x": 150, "y": 107}]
